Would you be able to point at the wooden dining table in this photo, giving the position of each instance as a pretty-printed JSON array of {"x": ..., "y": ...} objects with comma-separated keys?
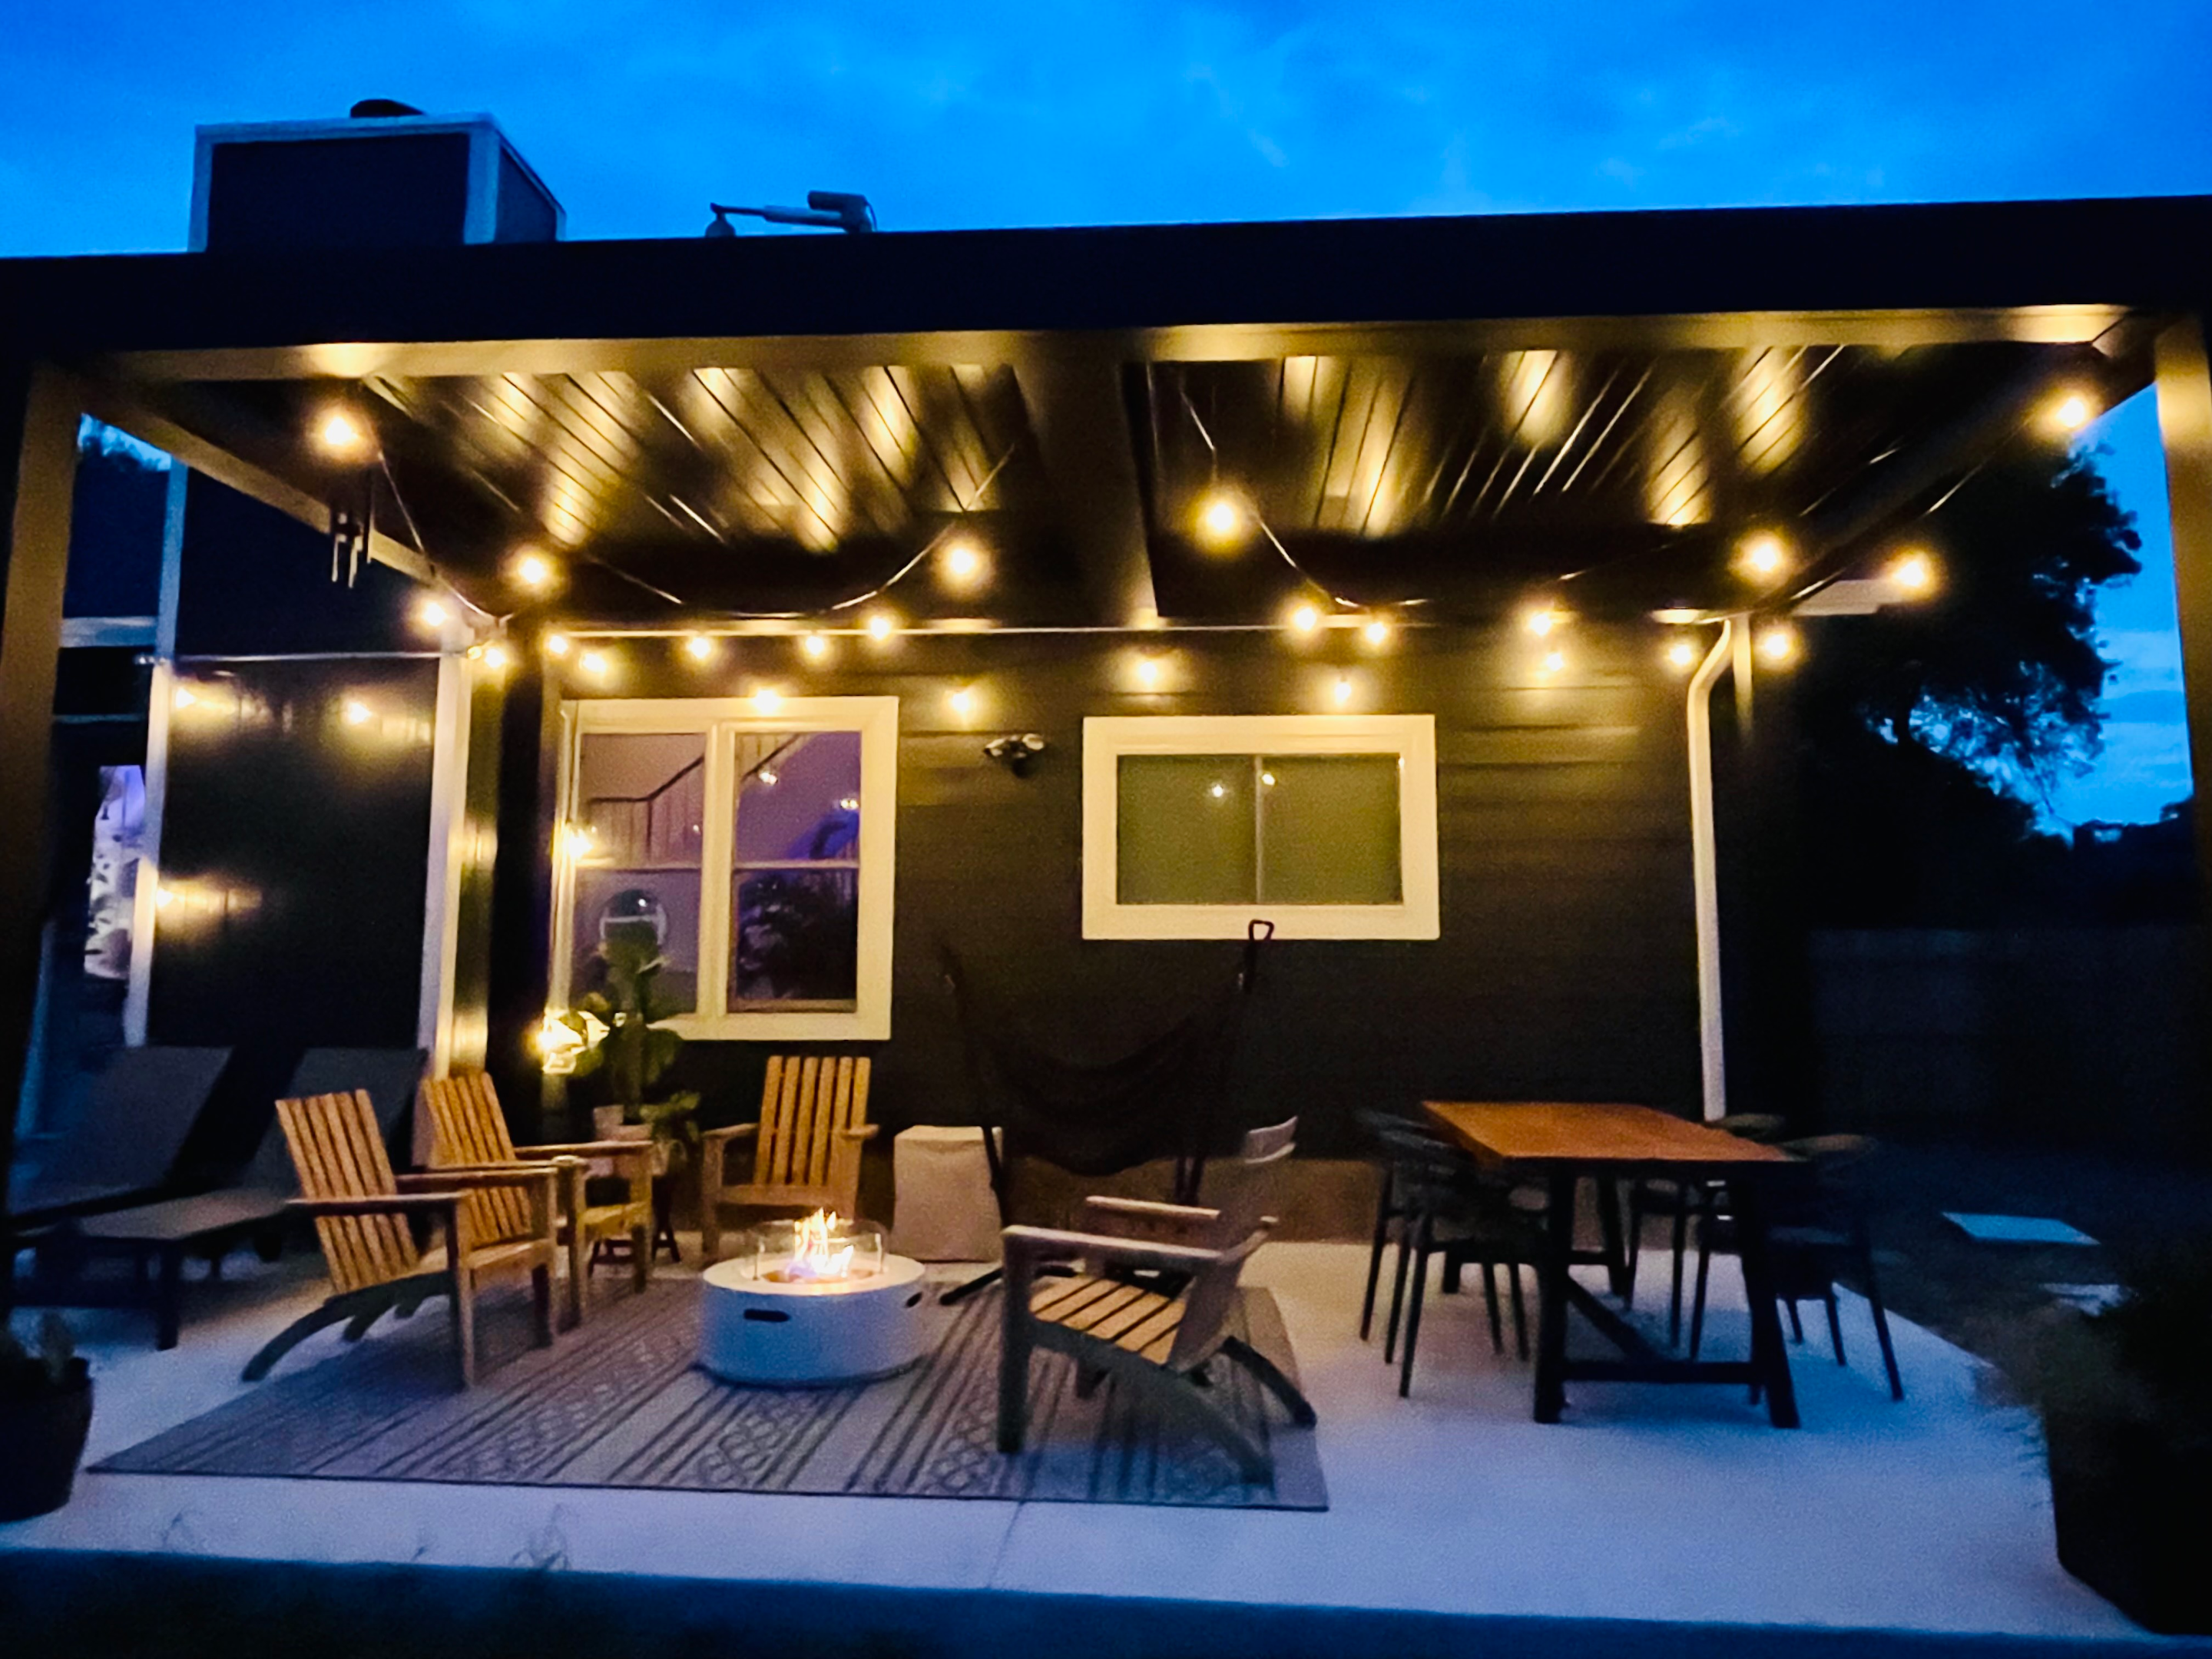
[{"x": 1564, "y": 1143}]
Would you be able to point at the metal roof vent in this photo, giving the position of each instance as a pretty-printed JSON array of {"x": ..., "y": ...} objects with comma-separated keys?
[
  {"x": 381, "y": 109},
  {"x": 832, "y": 209}
]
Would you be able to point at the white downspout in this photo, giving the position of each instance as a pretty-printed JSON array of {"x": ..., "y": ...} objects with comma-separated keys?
[{"x": 1705, "y": 871}]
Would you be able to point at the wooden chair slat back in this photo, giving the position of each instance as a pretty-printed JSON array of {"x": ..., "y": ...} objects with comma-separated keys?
[
  {"x": 805, "y": 1103},
  {"x": 469, "y": 1128},
  {"x": 338, "y": 1154}
]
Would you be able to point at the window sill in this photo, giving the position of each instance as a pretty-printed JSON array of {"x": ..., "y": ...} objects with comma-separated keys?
[{"x": 850, "y": 1026}]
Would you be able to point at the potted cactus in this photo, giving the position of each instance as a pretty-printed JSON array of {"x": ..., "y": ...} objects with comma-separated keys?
[{"x": 46, "y": 1412}]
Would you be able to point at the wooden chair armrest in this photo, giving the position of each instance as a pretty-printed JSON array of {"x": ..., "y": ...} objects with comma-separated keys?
[
  {"x": 589, "y": 1149},
  {"x": 483, "y": 1175},
  {"x": 716, "y": 1137},
  {"x": 865, "y": 1131},
  {"x": 1145, "y": 1208},
  {"x": 387, "y": 1204},
  {"x": 1164, "y": 1224},
  {"x": 1034, "y": 1245}
]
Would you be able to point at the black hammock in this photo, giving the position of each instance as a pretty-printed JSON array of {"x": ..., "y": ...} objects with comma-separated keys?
[{"x": 1167, "y": 1098}]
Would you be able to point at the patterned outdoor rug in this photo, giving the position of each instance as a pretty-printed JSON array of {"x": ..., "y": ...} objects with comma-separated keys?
[{"x": 619, "y": 1403}]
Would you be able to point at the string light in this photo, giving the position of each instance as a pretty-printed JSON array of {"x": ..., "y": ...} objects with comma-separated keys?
[
  {"x": 880, "y": 624},
  {"x": 1763, "y": 556},
  {"x": 338, "y": 433},
  {"x": 183, "y": 698},
  {"x": 556, "y": 645},
  {"x": 699, "y": 647},
  {"x": 1305, "y": 618},
  {"x": 496, "y": 656},
  {"x": 1342, "y": 690},
  {"x": 432, "y": 613},
  {"x": 1682, "y": 654},
  {"x": 1148, "y": 673},
  {"x": 814, "y": 647},
  {"x": 1221, "y": 517},
  {"x": 962, "y": 699},
  {"x": 1378, "y": 632},
  {"x": 767, "y": 699},
  {"x": 1778, "y": 644},
  {"x": 358, "y": 712},
  {"x": 1915, "y": 573},
  {"x": 962, "y": 563},
  {"x": 595, "y": 664},
  {"x": 534, "y": 570},
  {"x": 1554, "y": 661},
  {"x": 2072, "y": 412},
  {"x": 1543, "y": 620}
]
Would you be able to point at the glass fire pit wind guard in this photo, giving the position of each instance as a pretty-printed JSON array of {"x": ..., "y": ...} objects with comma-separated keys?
[{"x": 811, "y": 1302}]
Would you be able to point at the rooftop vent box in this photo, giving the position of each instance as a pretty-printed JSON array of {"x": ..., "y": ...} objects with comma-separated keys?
[{"x": 387, "y": 176}]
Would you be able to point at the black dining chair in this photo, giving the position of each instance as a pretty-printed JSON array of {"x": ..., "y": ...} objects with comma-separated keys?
[
  {"x": 1682, "y": 1201},
  {"x": 1449, "y": 1207},
  {"x": 1816, "y": 1233}
]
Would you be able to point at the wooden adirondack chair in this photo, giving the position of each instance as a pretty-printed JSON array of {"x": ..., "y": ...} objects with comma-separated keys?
[
  {"x": 469, "y": 1131},
  {"x": 362, "y": 1211},
  {"x": 806, "y": 1147},
  {"x": 1151, "y": 1342}
]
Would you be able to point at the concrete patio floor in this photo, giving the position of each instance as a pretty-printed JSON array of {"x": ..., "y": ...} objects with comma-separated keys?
[{"x": 1659, "y": 1506}]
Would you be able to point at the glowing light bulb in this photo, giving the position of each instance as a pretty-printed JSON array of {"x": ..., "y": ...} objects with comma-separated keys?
[
  {"x": 814, "y": 646},
  {"x": 358, "y": 712},
  {"x": 1377, "y": 632},
  {"x": 534, "y": 570},
  {"x": 880, "y": 626},
  {"x": 496, "y": 656},
  {"x": 1915, "y": 573},
  {"x": 1268, "y": 779},
  {"x": 1305, "y": 619},
  {"x": 962, "y": 562},
  {"x": 1763, "y": 556},
  {"x": 595, "y": 664},
  {"x": 1221, "y": 517},
  {"x": 699, "y": 647},
  {"x": 767, "y": 699},
  {"x": 1778, "y": 644},
  {"x": 338, "y": 433},
  {"x": 1682, "y": 653},
  {"x": 1219, "y": 790},
  {"x": 1554, "y": 661},
  {"x": 556, "y": 645},
  {"x": 962, "y": 699},
  {"x": 848, "y": 802},
  {"x": 1148, "y": 673},
  {"x": 184, "y": 697},
  {"x": 433, "y": 613},
  {"x": 767, "y": 777},
  {"x": 1341, "y": 692},
  {"x": 2072, "y": 413},
  {"x": 164, "y": 897},
  {"x": 1542, "y": 620}
]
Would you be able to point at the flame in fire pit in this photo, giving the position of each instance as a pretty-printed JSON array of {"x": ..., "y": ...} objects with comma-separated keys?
[{"x": 811, "y": 1256}]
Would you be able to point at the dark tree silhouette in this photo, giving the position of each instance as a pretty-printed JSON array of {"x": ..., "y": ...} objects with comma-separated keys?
[{"x": 1932, "y": 733}]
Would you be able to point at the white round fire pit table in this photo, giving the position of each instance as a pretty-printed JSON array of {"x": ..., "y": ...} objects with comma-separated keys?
[{"x": 811, "y": 1302}]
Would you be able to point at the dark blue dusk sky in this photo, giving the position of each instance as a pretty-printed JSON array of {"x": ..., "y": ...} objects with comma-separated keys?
[{"x": 1081, "y": 113}]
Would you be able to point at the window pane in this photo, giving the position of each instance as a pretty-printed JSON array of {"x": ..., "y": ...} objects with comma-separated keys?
[
  {"x": 797, "y": 937},
  {"x": 798, "y": 796},
  {"x": 1184, "y": 829},
  {"x": 640, "y": 801},
  {"x": 1329, "y": 829}
]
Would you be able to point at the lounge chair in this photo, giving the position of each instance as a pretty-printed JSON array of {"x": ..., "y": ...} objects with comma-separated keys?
[
  {"x": 158, "y": 1236},
  {"x": 1152, "y": 1344},
  {"x": 806, "y": 1146},
  {"x": 469, "y": 1130},
  {"x": 121, "y": 1144},
  {"x": 361, "y": 1212}
]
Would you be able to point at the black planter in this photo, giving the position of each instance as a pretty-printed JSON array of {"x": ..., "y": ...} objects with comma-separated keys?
[
  {"x": 2131, "y": 1518},
  {"x": 42, "y": 1438}
]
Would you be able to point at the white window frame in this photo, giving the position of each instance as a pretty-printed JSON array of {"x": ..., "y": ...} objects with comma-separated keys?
[
  {"x": 1411, "y": 738},
  {"x": 722, "y": 721}
]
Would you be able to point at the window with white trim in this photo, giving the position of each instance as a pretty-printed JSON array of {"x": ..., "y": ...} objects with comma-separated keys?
[
  {"x": 1195, "y": 825},
  {"x": 754, "y": 848}
]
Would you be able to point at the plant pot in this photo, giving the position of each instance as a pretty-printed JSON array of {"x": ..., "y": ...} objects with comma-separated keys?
[
  {"x": 41, "y": 1439},
  {"x": 2129, "y": 1511},
  {"x": 606, "y": 1122}
]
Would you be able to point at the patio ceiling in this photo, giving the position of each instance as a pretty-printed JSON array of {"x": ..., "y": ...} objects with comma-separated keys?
[{"x": 1504, "y": 402}]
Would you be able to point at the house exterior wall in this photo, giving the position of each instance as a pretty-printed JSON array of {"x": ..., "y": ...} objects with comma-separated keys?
[{"x": 1565, "y": 968}]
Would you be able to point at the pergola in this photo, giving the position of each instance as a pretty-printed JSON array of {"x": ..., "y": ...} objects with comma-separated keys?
[{"x": 1420, "y": 420}]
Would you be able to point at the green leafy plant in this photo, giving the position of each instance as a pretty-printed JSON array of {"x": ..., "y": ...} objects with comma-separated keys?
[
  {"x": 51, "y": 1368},
  {"x": 634, "y": 1048}
]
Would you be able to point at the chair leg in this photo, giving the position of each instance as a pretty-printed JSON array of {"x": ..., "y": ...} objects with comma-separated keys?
[
  {"x": 1490, "y": 1299},
  {"x": 1520, "y": 1312},
  {"x": 1881, "y": 1327},
  {"x": 1636, "y": 1214},
  {"x": 540, "y": 1303},
  {"x": 1270, "y": 1376},
  {"x": 1014, "y": 1356},
  {"x": 337, "y": 1311},
  {"x": 1796, "y": 1325},
  {"x": 1698, "y": 1296},
  {"x": 640, "y": 1255},
  {"x": 1674, "y": 1298},
  {"x": 1414, "y": 1313},
  {"x": 462, "y": 1307},
  {"x": 1374, "y": 1258},
  {"x": 1835, "y": 1326},
  {"x": 1406, "y": 1226}
]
